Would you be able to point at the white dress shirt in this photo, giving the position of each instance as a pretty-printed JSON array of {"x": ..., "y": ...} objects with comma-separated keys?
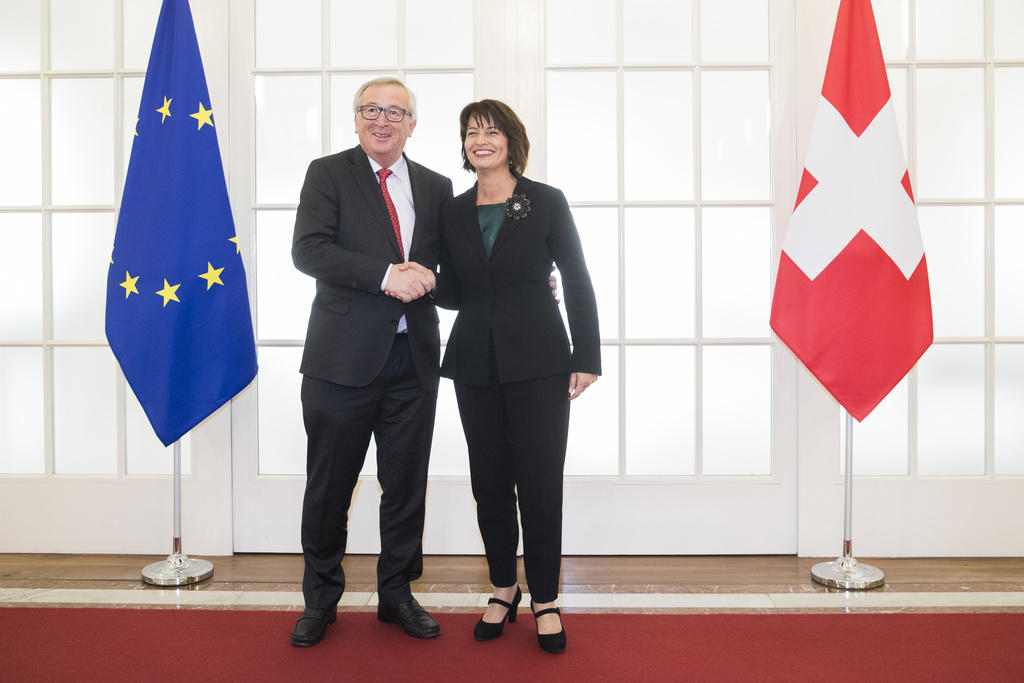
[{"x": 400, "y": 189}]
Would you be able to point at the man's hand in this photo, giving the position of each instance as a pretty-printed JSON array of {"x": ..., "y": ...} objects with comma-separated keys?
[
  {"x": 578, "y": 382},
  {"x": 553, "y": 283},
  {"x": 409, "y": 281}
]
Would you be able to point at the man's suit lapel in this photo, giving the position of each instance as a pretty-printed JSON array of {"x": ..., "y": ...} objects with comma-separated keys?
[
  {"x": 363, "y": 177},
  {"x": 420, "y": 202}
]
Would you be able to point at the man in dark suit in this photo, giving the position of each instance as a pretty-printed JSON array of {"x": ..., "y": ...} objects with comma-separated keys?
[{"x": 370, "y": 363}]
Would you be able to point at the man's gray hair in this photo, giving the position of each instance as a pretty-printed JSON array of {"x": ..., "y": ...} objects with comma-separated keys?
[{"x": 385, "y": 80}]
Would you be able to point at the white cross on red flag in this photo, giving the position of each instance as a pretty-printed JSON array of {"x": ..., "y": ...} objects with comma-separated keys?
[{"x": 851, "y": 297}]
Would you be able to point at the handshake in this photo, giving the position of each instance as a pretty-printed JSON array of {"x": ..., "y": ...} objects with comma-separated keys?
[{"x": 409, "y": 281}]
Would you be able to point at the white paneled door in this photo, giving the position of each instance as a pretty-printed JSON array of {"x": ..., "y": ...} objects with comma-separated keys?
[
  {"x": 687, "y": 442},
  {"x": 80, "y": 468}
]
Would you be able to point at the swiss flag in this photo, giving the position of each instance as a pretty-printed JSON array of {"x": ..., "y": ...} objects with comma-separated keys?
[{"x": 851, "y": 296}]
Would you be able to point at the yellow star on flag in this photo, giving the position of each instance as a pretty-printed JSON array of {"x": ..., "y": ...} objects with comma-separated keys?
[
  {"x": 238, "y": 247},
  {"x": 203, "y": 117},
  {"x": 135, "y": 128},
  {"x": 129, "y": 284},
  {"x": 168, "y": 293},
  {"x": 212, "y": 276},
  {"x": 165, "y": 110}
]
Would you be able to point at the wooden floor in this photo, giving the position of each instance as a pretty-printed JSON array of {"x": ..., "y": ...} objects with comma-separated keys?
[
  {"x": 674, "y": 574},
  {"x": 459, "y": 583}
]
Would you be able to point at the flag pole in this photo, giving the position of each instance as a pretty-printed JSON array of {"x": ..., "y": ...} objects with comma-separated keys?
[
  {"x": 178, "y": 569},
  {"x": 845, "y": 571}
]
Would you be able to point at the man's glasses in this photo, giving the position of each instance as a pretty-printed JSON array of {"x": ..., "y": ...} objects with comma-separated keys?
[{"x": 371, "y": 112}]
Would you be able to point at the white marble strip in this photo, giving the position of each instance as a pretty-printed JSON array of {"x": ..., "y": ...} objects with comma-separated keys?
[
  {"x": 293, "y": 599},
  {"x": 666, "y": 600}
]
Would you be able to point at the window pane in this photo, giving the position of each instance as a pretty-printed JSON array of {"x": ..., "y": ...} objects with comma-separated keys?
[
  {"x": 343, "y": 90},
  {"x": 353, "y": 49},
  {"x": 898, "y": 97},
  {"x": 1009, "y": 406},
  {"x": 661, "y": 416},
  {"x": 84, "y": 419},
  {"x": 594, "y": 423},
  {"x": 735, "y": 123},
  {"x": 131, "y": 95},
  {"x": 439, "y": 32},
  {"x": 22, "y": 448},
  {"x": 880, "y": 442},
  {"x": 734, "y": 30},
  {"x": 19, "y": 35},
  {"x": 82, "y": 244},
  {"x": 660, "y": 301},
  {"x": 140, "y": 18},
  {"x": 144, "y": 452},
  {"x": 599, "y": 233},
  {"x": 1009, "y": 17},
  {"x": 283, "y": 294},
  {"x": 581, "y": 31},
  {"x": 736, "y": 270},
  {"x": 82, "y": 34},
  {"x": 281, "y": 434},
  {"x": 737, "y": 410},
  {"x": 449, "y": 454},
  {"x": 950, "y": 29},
  {"x": 951, "y": 133},
  {"x": 662, "y": 101},
  {"x": 1009, "y": 132},
  {"x": 436, "y": 143},
  {"x": 21, "y": 276},
  {"x": 446, "y": 320},
  {"x": 288, "y": 33},
  {"x": 81, "y": 112},
  {"x": 951, "y": 410},
  {"x": 657, "y": 31},
  {"x": 21, "y": 142},
  {"x": 954, "y": 242},
  {"x": 582, "y": 150},
  {"x": 282, "y": 437},
  {"x": 288, "y": 135},
  {"x": 893, "y": 23},
  {"x": 1009, "y": 276}
]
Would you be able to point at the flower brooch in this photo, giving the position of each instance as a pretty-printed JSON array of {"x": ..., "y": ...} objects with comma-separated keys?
[{"x": 517, "y": 206}]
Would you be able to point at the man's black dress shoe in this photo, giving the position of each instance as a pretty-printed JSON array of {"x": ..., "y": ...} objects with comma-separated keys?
[
  {"x": 311, "y": 626},
  {"x": 413, "y": 619}
]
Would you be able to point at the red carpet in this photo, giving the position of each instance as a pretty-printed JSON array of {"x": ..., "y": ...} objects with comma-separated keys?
[{"x": 86, "y": 644}]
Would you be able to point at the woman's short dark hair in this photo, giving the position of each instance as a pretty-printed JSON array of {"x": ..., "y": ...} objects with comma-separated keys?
[{"x": 505, "y": 120}]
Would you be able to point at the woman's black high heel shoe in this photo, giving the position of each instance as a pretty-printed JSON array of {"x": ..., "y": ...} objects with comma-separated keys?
[
  {"x": 485, "y": 630},
  {"x": 550, "y": 642}
]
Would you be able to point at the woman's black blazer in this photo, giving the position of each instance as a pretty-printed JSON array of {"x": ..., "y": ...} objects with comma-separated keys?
[{"x": 505, "y": 298}]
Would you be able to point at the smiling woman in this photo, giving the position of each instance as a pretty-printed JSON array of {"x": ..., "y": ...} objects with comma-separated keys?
[{"x": 509, "y": 357}]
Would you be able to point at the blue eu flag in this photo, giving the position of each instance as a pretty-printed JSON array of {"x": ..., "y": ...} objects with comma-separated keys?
[{"x": 177, "y": 308}]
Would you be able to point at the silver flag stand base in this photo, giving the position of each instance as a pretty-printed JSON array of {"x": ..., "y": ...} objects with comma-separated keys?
[
  {"x": 846, "y": 572},
  {"x": 177, "y": 570}
]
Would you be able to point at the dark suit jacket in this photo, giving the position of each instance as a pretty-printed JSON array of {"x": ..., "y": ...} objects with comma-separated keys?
[
  {"x": 344, "y": 238},
  {"x": 505, "y": 299}
]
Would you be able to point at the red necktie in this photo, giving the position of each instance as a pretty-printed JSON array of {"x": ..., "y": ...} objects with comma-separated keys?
[{"x": 384, "y": 173}]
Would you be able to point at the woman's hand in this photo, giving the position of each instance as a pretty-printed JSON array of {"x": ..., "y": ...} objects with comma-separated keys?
[{"x": 578, "y": 383}]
